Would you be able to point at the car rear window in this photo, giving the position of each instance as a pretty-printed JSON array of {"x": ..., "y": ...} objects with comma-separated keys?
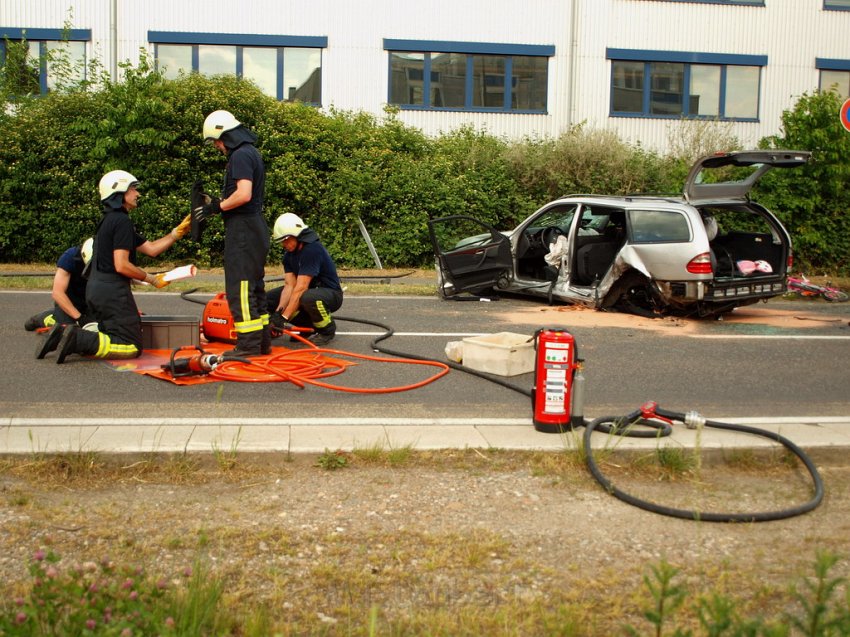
[{"x": 659, "y": 226}]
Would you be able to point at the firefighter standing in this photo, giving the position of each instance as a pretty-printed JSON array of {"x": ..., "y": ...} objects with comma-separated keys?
[
  {"x": 246, "y": 233},
  {"x": 68, "y": 292},
  {"x": 311, "y": 283},
  {"x": 108, "y": 293}
]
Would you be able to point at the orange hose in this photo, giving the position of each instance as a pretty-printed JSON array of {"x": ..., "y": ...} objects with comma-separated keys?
[{"x": 302, "y": 367}]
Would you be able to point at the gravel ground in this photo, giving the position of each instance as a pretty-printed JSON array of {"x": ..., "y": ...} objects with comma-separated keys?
[{"x": 455, "y": 531}]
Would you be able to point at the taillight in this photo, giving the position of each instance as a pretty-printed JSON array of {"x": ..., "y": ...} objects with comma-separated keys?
[
  {"x": 700, "y": 264},
  {"x": 789, "y": 263}
]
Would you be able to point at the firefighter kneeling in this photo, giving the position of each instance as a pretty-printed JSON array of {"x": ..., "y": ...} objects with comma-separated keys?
[{"x": 311, "y": 289}]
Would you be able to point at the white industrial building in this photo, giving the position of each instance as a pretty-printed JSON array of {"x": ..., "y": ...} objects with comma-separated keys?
[{"x": 533, "y": 68}]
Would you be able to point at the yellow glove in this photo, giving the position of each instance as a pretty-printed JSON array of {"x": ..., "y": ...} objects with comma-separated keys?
[
  {"x": 183, "y": 229},
  {"x": 157, "y": 280}
]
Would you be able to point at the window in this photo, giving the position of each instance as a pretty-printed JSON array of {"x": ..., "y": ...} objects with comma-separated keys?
[
  {"x": 284, "y": 67},
  {"x": 837, "y": 5},
  {"x": 676, "y": 84},
  {"x": 468, "y": 76},
  {"x": 834, "y": 76},
  {"x": 46, "y": 58},
  {"x": 659, "y": 226}
]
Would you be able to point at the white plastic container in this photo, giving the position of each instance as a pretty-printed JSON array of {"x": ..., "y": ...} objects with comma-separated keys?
[{"x": 502, "y": 353}]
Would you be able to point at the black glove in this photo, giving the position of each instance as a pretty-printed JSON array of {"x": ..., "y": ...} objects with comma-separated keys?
[
  {"x": 85, "y": 319},
  {"x": 199, "y": 201},
  {"x": 202, "y": 213},
  {"x": 279, "y": 321}
]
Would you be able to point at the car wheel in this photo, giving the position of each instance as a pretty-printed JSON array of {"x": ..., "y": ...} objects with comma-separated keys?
[{"x": 633, "y": 294}]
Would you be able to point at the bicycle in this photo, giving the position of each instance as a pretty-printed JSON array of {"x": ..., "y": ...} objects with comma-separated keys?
[{"x": 803, "y": 287}]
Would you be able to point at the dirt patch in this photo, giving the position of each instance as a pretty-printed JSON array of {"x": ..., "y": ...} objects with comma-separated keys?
[
  {"x": 494, "y": 534},
  {"x": 578, "y": 316}
]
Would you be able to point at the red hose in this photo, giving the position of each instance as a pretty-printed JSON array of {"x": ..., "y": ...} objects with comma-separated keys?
[{"x": 302, "y": 367}]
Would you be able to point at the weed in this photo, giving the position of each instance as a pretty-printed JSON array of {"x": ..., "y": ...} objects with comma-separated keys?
[
  {"x": 203, "y": 538},
  {"x": 667, "y": 597},
  {"x": 18, "y": 500},
  {"x": 86, "y": 599},
  {"x": 195, "y": 608},
  {"x": 818, "y": 618},
  {"x": 378, "y": 455},
  {"x": 226, "y": 460},
  {"x": 675, "y": 460},
  {"x": 822, "y": 614},
  {"x": 181, "y": 466},
  {"x": 332, "y": 460}
]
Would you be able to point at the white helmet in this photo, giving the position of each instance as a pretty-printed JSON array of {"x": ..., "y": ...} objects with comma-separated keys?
[
  {"x": 217, "y": 123},
  {"x": 288, "y": 225},
  {"x": 116, "y": 181},
  {"x": 87, "y": 249}
]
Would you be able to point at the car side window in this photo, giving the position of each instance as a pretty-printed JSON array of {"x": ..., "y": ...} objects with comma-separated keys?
[
  {"x": 659, "y": 226},
  {"x": 560, "y": 216}
]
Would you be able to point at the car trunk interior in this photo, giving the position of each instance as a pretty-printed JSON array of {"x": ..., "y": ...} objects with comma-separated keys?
[{"x": 744, "y": 236}]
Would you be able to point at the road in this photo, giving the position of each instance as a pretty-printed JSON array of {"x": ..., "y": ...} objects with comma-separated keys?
[{"x": 721, "y": 369}]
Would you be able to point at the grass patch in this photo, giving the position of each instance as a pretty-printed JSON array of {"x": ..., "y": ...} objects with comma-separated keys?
[{"x": 378, "y": 455}]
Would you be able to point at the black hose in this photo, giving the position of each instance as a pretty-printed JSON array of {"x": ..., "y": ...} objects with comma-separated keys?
[{"x": 688, "y": 514}]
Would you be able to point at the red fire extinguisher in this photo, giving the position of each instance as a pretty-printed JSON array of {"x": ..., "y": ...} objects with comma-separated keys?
[{"x": 558, "y": 392}]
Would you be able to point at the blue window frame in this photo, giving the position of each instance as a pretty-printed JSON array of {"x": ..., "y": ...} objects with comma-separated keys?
[
  {"x": 836, "y": 5},
  {"x": 834, "y": 75},
  {"x": 678, "y": 84},
  {"x": 468, "y": 76},
  {"x": 41, "y": 44},
  {"x": 285, "y": 67}
]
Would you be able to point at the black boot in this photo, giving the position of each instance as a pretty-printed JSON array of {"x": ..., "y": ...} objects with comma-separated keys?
[
  {"x": 36, "y": 321},
  {"x": 324, "y": 335},
  {"x": 68, "y": 344},
  {"x": 249, "y": 344},
  {"x": 266, "y": 341},
  {"x": 51, "y": 341}
]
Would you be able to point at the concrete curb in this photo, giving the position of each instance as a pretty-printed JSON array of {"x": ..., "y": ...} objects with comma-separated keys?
[{"x": 316, "y": 435}]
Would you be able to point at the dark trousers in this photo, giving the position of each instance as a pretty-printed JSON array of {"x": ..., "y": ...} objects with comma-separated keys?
[
  {"x": 246, "y": 246},
  {"x": 314, "y": 309}
]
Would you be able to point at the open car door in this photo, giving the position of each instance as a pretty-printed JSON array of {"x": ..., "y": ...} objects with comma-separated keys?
[
  {"x": 733, "y": 175},
  {"x": 471, "y": 255}
]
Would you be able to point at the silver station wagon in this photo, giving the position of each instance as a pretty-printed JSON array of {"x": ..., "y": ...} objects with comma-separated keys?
[{"x": 703, "y": 253}]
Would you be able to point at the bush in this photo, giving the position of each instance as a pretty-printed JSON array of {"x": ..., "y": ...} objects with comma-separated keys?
[{"x": 813, "y": 201}]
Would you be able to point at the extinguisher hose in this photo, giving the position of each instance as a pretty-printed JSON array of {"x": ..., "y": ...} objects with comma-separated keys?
[{"x": 602, "y": 424}]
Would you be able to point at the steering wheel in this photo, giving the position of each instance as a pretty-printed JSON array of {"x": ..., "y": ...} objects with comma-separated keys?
[{"x": 550, "y": 234}]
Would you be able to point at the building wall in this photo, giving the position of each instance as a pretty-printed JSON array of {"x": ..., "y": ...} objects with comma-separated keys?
[{"x": 791, "y": 33}]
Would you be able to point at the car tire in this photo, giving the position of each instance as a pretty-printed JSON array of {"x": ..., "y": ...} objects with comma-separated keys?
[{"x": 633, "y": 294}]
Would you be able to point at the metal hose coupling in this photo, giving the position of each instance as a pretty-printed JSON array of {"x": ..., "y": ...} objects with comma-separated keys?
[{"x": 693, "y": 420}]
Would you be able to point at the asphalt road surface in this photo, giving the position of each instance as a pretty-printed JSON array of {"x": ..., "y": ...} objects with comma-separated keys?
[{"x": 721, "y": 370}]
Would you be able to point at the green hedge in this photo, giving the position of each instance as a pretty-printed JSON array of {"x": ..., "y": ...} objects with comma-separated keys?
[{"x": 334, "y": 168}]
